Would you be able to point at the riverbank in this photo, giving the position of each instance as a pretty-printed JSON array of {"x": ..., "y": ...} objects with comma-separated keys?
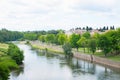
[
  {"x": 7, "y": 64},
  {"x": 91, "y": 58}
]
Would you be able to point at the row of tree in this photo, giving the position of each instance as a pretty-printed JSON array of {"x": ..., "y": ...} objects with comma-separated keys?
[
  {"x": 101, "y": 29},
  {"x": 6, "y": 35},
  {"x": 108, "y": 42}
]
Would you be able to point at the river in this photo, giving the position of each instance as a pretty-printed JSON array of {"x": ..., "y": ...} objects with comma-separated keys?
[{"x": 46, "y": 66}]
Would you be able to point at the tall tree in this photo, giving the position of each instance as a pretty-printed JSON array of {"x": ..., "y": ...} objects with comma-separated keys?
[
  {"x": 42, "y": 38},
  {"x": 62, "y": 38},
  {"x": 105, "y": 44},
  {"x": 82, "y": 42},
  {"x": 86, "y": 35},
  {"x": 50, "y": 38},
  {"x": 74, "y": 39},
  {"x": 92, "y": 45},
  {"x": 67, "y": 49}
]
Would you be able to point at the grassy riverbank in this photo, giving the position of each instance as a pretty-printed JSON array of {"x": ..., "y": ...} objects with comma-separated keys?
[
  {"x": 58, "y": 49},
  {"x": 34, "y": 46},
  {"x": 9, "y": 56}
]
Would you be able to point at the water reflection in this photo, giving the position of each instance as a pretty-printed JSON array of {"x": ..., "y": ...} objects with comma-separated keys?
[{"x": 39, "y": 65}]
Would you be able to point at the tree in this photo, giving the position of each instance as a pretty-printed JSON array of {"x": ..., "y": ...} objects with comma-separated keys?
[
  {"x": 115, "y": 40},
  {"x": 96, "y": 37},
  {"x": 92, "y": 45},
  {"x": 42, "y": 38},
  {"x": 62, "y": 38},
  {"x": 74, "y": 39},
  {"x": 105, "y": 44},
  {"x": 67, "y": 49},
  {"x": 86, "y": 35},
  {"x": 87, "y": 28},
  {"x": 50, "y": 38},
  {"x": 82, "y": 42},
  {"x": 30, "y": 36}
]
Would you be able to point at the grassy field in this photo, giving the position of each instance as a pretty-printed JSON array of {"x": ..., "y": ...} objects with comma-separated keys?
[{"x": 3, "y": 48}]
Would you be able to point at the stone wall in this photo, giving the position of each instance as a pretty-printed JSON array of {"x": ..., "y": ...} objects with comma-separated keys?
[
  {"x": 106, "y": 62},
  {"x": 98, "y": 60}
]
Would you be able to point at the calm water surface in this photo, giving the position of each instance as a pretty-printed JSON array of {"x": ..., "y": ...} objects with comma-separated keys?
[{"x": 41, "y": 66}]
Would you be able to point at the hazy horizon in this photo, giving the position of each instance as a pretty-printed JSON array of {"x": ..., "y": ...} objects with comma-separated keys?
[{"x": 30, "y": 15}]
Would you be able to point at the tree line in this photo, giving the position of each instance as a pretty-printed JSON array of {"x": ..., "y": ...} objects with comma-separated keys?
[
  {"x": 108, "y": 42},
  {"x": 101, "y": 29}
]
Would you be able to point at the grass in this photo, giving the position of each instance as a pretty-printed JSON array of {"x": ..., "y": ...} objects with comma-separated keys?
[
  {"x": 43, "y": 48},
  {"x": 114, "y": 58},
  {"x": 4, "y": 46}
]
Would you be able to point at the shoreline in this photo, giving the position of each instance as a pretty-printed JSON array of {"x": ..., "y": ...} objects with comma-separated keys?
[{"x": 78, "y": 55}]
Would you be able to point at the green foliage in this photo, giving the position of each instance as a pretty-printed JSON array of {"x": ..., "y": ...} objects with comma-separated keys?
[
  {"x": 105, "y": 44},
  {"x": 86, "y": 35},
  {"x": 92, "y": 45},
  {"x": 74, "y": 39},
  {"x": 42, "y": 38},
  {"x": 96, "y": 37},
  {"x": 4, "y": 72},
  {"x": 82, "y": 42},
  {"x": 67, "y": 49},
  {"x": 15, "y": 53},
  {"x": 30, "y": 36},
  {"x": 6, "y": 35},
  {"x": 6, "y": 64},
  {"x": 50, "y": 38},
  {"x": 62, "y": 38}
]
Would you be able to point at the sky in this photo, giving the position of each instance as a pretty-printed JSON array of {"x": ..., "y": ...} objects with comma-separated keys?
[{"x": 28, "y": 15}]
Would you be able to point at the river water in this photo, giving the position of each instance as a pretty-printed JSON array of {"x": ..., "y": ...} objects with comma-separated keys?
[{"x": 47, "y": 66}]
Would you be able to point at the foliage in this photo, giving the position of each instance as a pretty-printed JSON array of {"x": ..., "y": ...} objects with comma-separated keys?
[
  {"x": 67, "y": 49},
  {"x": 105, "y": 44},
  {"x": 42, "y": 38},
  {"x": 50, "y": 38},
  {"x": 74, "y": 39},
  {"x": 15, "y": 53},
  {"x": 86, "y": 35},
  {"x": 82, "y": 42},
  {"x": 92, "y": 45},
  {"x": 30, "y": 36},
  {"x": 6, "y": 35},
  {"x": 6, "y": 62},
  {"x": 4, "y": 72},
  {"x": 62, "y": 38}
]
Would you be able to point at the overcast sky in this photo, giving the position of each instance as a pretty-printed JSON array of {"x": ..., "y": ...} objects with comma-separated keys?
[{"x": 58, "y": 14}]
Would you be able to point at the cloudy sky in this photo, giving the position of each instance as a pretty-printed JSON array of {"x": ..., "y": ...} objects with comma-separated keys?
[{"x": 58, "y": 14}]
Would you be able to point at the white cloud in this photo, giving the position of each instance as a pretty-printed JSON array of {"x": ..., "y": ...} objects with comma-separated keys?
[{"x": 62, "y": 13}]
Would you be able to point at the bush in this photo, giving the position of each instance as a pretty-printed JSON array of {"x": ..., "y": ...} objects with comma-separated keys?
[
  {"x": 67, "y": 49},
  {"x": 15, "y": 53},
  {"x": 4, "y": 72}
]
